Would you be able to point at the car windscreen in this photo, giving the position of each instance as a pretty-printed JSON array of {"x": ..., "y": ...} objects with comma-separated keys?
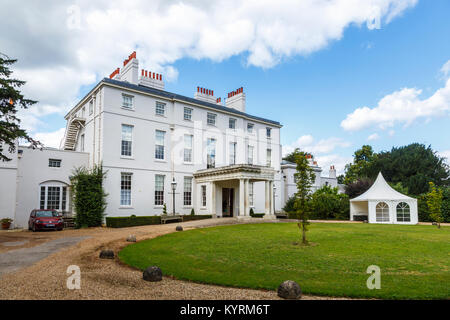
[{"x": 49, "y": 214}]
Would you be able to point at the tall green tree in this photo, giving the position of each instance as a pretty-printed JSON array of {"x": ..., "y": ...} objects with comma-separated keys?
[
  {"x": 304, "y": 177},
  {"x": 10, "y": 100},
  {"x": 434, "y": 203},
  {"x": 362, "y": 159}
]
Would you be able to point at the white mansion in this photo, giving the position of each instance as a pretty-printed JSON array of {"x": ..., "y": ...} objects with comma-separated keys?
[{"x": 220, "y": 160}]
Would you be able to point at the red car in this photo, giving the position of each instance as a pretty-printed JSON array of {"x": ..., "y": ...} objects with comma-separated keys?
[{"x": 41, "y": 219}]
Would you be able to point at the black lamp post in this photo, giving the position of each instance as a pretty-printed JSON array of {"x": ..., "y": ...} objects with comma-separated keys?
[{"x": 174, "y": 187}]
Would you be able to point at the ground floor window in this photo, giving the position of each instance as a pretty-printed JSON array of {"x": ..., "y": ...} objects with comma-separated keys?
[
  {"x": 53, "y": 197},
  {"x": 403, "y": 213},
  {"x": 159, "y": 190},
  {"x": 203, "y": 196},
  {"x": 125, "y": 189},
  {"x": 187, "y": 194},
  {"x": 382, "y": 212}
]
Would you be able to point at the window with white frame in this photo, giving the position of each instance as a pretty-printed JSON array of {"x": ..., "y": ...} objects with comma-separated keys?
[
  {"x": 187, "y": 113},
  {"x": 232, "y": 153},
  {"x": 82, "y": 142},
  {"x": 232, "y": 123},
  {"x": 160, "y": 108},
  {"x": 125, "y": 189},
  {"x": 159, "y": 190},
  {"x": 159, "y": 144},
  {"x": 127, "y": 137},
  {"x": 269, "y": 157},
  {"x": 211, "y": 153},
  {"x": 250, "y": 154},
  {"x": 127, "y": 101},
  {"x": 203, "y": 196},
  {"x": 188, "y": 147},
  {"x": 83, "y": 112},
  {"x": 91, "y": 107},
  {"x": 403, "y": 213},
  {"x": 54, "y": 163},
  {"x": 382, "y": 212},
  {"x": 250, "y": 194},
  {"x": 268, "y": 133},
  {"x": 250, "y": 127},
  {"x": 53, "y": 196},
  {"x": 211, "y": 119},
  {"x": 187, "y": 193}
]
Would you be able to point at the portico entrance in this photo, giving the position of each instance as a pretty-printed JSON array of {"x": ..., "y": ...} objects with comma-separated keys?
[
  {"x": 227, "y": 202},
  {"x": 229, "y": 192}
]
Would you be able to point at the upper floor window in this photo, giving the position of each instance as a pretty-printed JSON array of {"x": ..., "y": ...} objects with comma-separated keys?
[
  {"x": 83, "y": 112},
  {"x": 91, "y": 107},
  {"x": 211, "y": 153},
  {"x": 160, "y": 108},
  {"x": 269, "y": 158},
  {"x": 82, "y": 142},
  {"x": 250, "y": 127},
  {"x": 188, "y": 147},
  {"x": 159, "y": 144},
  {"x": 127, "y": 101},
  {"x": 211, "y": 119},
  {"x": 250, "y": 154},
  {"x": 127, "y": 137},
  {"x": 268, "y": 133},
  {"x": 232, "y": 152},
  {"x": 187, "y": 113},
  {"x": 232, "y": 123},
  {"x": 54, "y": 163}
]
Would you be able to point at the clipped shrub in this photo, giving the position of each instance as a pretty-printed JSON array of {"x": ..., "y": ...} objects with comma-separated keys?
[
  {"x": 123, "y": 222},
  {"x": 164, "y": 210},
  {"x": 196, "y": 217},
  {"x": 192, "y": 212}
]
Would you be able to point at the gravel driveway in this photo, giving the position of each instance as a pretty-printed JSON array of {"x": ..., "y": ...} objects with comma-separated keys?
[
  {"x": 111, "y": 279},
  {"x": 17, "y": 259}
]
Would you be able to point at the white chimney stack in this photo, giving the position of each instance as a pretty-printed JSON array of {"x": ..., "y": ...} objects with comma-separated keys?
[
  {"x": 130, "y": 70},
  {"x": 151, "y": 79},
  {"x": 205, "y": 95},
  {"x": 332, "y": 172},
  {"x": 236, "y": 100}
]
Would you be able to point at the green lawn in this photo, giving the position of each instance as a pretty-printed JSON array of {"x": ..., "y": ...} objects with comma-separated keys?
[{"x": 414, "y": 260}]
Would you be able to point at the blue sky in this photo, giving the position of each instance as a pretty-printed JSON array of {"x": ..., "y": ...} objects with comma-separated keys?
[{"x": 311, "y": 91}]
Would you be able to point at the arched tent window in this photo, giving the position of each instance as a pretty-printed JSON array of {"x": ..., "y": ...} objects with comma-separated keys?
[
  {"x": 53, "y": 195},
  {"x": 382, "y": 211},
  {"x": 403, "y": 212}
]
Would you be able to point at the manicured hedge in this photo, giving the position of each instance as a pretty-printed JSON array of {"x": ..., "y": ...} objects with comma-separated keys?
[
  {"x": 196, "y": 217},
  {"x": 123, "y": 222},
  {"x": 133, "y": 221},
  {"x": 257, "y": 215}
]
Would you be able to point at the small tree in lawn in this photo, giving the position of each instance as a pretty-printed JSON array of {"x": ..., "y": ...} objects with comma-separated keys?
[
  {"x": 434, "y": 203},
  {"x": 304, "y": 178}
]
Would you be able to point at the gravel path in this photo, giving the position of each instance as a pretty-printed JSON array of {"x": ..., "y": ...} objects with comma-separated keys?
[{"x": 110, "y": 279}]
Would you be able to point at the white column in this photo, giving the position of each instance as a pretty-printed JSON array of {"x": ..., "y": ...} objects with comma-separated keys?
[
  {"x": 241, "y": 198},
  {"x": 246, "y": 204},
  {"x": 213, "y": 199},
  {"x": 267, "y": 197},
  {"x": 271, "y": 197}
]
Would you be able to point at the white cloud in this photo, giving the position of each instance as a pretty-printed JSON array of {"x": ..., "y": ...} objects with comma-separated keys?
[
  {"x": 401, "y": 107},
  {"x": 50, "y": 139},
  {"x": 373, "y": 136},
  {"x": 308, "y": 144},
  {"x": 445, "y": 70},
  {"x": 63, "y": 46},
  {"x": 446, "y": 155},
  {"x": 322, "y": 151}
]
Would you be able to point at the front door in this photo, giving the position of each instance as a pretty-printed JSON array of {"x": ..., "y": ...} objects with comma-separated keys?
[{"x": 227, "y": 202}]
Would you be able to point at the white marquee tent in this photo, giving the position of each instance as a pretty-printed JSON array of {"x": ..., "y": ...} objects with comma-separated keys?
[{"x": 382, "y": 204}]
